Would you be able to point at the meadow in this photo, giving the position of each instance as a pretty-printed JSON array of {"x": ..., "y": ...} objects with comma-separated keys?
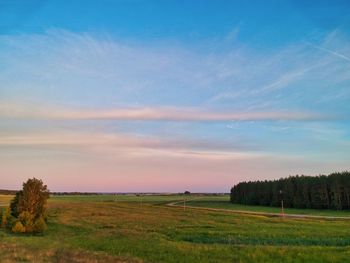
[
  {"x": 108, "y": 228},
  {"x": 222, "y": 202}
]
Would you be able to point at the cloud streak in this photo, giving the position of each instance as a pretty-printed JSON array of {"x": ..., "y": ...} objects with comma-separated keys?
[
  {"x": 127, "y": 145},
  {"x": 85, "y": 70},
  {"x": 137, "y": 114},
  {"x": 332, "y": 52},
  {"x": 154, "y": 114}
]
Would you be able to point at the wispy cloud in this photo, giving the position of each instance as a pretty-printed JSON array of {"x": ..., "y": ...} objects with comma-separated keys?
[
  {"x": 284, "y": 80},
  {"x": 124, "y": 144},
  {"x": 293, "y": 71},
  {"x": 88, "y": 70},
  {"x": 153, "y": 114},
  {"x": 166, "y": 109},
  {"x": 329, "y": 51}
]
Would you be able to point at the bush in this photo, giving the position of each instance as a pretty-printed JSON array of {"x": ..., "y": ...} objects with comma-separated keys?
[
  {"x": 28, "y": 208},
  {"x": 18, "y": 228},
  {"x": 26, "y": 219},
  {"x": 39, "y": 225}
]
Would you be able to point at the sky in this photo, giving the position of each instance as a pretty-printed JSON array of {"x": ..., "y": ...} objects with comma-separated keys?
[{"x": 168, "y": 96}]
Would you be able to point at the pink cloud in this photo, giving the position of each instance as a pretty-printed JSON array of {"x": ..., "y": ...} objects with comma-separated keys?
[{"x": 151, "y": 114}]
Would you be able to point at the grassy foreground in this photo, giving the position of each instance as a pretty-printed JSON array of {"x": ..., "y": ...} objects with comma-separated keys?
[{"x": 124, "y": 229}]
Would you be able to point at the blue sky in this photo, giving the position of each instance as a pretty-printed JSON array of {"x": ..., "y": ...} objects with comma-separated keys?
[
  {"x": 172, "y": 95},
  {"x": 275, "y": 22}
]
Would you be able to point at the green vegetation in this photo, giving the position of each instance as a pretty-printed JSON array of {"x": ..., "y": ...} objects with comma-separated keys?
[
  {"x": 223, "y": 202},
  {"x": 27, "y": 211},
  {"x": 319, "y": 192},
  {"x": 126, "y": 230},
  {"x": 158, "y": 199}
]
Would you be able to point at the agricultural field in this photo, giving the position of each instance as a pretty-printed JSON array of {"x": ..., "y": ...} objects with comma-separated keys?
[
  {"x": 5, "y": 199},
  {"x": 132, "y": 228}
]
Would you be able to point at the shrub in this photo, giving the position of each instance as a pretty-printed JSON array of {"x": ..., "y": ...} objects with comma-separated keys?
[
  {"x": 18, "y": 228},
  {"x": 26, "y": 219},
  {"x": 39, "y": 225},
  {"x": 28, "y": 208}
]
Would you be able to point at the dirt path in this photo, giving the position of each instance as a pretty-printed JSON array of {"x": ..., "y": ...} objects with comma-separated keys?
[{"x": 180, "y": 204}]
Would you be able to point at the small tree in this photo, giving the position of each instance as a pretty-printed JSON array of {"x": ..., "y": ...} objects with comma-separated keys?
[{"x": 29, "y": 207}]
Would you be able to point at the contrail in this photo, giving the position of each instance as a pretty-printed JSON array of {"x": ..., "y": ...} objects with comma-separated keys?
[{"x": 330, "y": 52}]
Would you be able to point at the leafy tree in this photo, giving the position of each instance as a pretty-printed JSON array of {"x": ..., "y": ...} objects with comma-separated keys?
[{"x": 29, "y": 207}]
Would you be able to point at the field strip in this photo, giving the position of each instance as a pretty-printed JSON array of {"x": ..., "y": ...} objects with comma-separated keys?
[{"x": 178, "y": 204}]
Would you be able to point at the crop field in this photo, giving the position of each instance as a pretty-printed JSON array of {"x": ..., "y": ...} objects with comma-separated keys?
[
  {"x": 108, "y": 228},
  {"x": 5, "y": 199}
]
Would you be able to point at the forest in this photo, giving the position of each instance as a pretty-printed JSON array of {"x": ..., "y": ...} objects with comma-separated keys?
[{"x": 320, "y": 192}]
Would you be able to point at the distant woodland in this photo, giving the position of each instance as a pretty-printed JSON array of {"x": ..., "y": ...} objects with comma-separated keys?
[
  {"x": 319, "y": 192},
  {"x": 7, "y": 192}
]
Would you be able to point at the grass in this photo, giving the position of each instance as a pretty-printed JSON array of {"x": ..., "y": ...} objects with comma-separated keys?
[
  {"x": 100, "y": 229},
  {"x": 119, "y": 198},
  {"x": 5, "y": 200},
  {"x": 222, "y": 202}
]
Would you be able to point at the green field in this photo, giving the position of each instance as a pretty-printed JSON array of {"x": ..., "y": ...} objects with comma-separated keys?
[
  {"x": 124, "y": 229},
  {"x": 222, "y": 202}
]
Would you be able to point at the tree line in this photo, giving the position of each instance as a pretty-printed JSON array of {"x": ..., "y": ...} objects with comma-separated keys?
[
  {"x": 7, "y": 192},
  {"x": 319, "y": 192}
]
